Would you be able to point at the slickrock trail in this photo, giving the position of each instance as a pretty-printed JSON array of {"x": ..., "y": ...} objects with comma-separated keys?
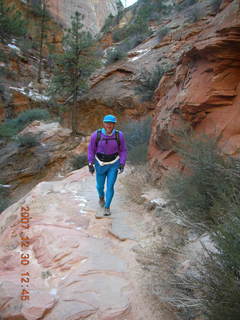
[{"x": 79, "y": 267}]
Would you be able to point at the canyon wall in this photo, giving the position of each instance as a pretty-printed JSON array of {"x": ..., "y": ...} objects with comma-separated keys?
[
  {"x": 203, "y": 89},
  {"x": 95, "y": 11}
]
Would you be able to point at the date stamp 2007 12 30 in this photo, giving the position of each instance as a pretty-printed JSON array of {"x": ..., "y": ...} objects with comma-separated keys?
[{"x": 25, "y": 257}]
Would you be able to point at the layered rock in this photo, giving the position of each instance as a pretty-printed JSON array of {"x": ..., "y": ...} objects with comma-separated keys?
[
  {"x": 113, "y": 87},
  {"x": 203, "y": 90},
  {"x": 73, "y": 272},
  {"x": 79, "y": 267},
  {"x": 22, "y": 167},
  {"x": 94, "y": 11}
]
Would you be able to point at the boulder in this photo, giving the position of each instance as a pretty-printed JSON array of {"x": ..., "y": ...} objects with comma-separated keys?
[{"x": 22, "y": 167}]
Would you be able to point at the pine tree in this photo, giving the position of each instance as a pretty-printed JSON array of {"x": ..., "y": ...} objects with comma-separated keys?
[
  {"x": 11, "y": 22},
  {"x": 74, "y": 66}
]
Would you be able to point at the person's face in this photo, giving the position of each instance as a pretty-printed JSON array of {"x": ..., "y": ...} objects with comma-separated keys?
[{"x": 108, "y": 126}]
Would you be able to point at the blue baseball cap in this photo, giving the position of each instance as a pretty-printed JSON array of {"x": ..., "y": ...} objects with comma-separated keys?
[{"x": 110, "y": 118}]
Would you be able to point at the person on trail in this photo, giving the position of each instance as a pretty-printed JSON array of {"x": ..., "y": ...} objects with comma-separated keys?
[{"x": 107, "y": 154}]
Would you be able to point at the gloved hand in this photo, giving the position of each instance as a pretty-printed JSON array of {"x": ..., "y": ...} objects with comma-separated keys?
[
  {"x": 121, "y": 168},
  {"x": 91, "y": 168}
]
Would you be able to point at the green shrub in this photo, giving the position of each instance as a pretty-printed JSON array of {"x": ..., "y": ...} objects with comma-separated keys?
[
  {"x": 152, "y": 10},
  {"x": 138, "y": 27},
  {"x": 206, "y": 195},
  {"x": 194, "y": 14},
  {"x": 28, "y": 116},
  {"x": 26, "y": 44},
  {"x": 162, "y": 32},
  {"x": 13, "y": 126},
  {"x": 132, "y": 41},
  {"x": 216, "y": 5},
  {"x": 11, "y": 22},
  {"x": 114, "y": 55},
  {"x": 220, "y": 272},
  {"x": 4, "y": 196},
  {"x": 108, "y": 23},
  {"x": 27, "y": 140},
  {"x": 119, "y": 34},
  {"x": 185, "y": 4},
  {"x": 7, "y": 129},
  {"x": 198, "y": 194},
  {"x": 79, "y": 161},
  {"x": 212, "y": 290},
  {"x": 112, "y": 21},
  {"x": 149, "y": 82},
  {"x": 137, "y": 134},
  {"x": 9, "y": 74},
  {"x": 3, "y": 56}
]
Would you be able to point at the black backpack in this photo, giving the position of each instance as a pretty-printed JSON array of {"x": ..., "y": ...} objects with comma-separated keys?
[{"x": 116, "y": 137}]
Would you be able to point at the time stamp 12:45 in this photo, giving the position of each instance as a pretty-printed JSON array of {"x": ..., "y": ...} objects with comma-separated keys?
[{"x": 25, "y": 257}]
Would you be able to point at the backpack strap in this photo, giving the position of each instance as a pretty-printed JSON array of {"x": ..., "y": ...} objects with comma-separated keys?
[
  {"x": 117, "y": 138},
  {"x": 98, "y": 136},
  {"x": 99, "y": 131}
]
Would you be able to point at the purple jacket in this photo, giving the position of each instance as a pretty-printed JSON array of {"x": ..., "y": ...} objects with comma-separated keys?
[{"x": 107, "y": 147}]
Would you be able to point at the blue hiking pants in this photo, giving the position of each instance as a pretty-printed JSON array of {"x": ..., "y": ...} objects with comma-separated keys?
[{"x": 109, "y": 171}]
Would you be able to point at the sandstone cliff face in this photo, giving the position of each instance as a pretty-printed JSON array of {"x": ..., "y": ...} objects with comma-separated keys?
[
  {"x": 202, "y": 86},
  {"x": 203, "y": 90},
  {"x": 23, "y": 167},
  {"x": 95, "y": 11}
]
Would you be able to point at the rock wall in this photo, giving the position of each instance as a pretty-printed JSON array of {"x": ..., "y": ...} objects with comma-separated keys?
[
  {"x": 22, "y": 166},
  {"x": 95, "y": 11},
  {"x": 204, "y": 88}
]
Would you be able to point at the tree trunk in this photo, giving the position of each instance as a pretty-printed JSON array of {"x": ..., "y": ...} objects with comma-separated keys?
[
  {"x": 41, "y": 41},
  {"x": 74, "y": 111},
  {"x": 75, "y": 83}
]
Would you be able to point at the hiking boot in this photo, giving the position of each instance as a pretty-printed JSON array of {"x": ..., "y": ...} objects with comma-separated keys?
[
  {"x": 107, "y": 212},
  {"x": 101, "y": 202}
]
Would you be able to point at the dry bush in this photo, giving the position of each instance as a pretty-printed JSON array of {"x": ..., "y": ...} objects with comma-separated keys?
[
  {"x": 160, "y": 258},
  {"x": 206, "y": 195},
  {"x": 137, "y": 134},
  {"x": 135, "y": 182}
]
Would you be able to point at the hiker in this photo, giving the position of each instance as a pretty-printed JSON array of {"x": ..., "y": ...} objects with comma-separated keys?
[{"x": 107, "y": 155}]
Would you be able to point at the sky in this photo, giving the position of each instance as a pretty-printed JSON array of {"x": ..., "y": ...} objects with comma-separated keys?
[{"x": 128, "y": 2}]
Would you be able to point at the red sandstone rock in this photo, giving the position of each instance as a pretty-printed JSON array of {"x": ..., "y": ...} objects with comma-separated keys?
[
  {"x": 73, "y": 270},
  {"x": 203, "y": 90}
]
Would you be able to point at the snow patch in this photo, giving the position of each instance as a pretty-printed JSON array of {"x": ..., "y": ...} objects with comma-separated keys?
[
  {"x": 31, "y": 93},
  {"x": 82, "y": 204},
  {"x": 14, "y": 47},
  {"x": 140, "y": 54},
  {"x": 53, "y": 291},
  {"x": 84, "y": 260},
  {"x": 59, "y": 175},
  {"x": 159, "y": 201}
]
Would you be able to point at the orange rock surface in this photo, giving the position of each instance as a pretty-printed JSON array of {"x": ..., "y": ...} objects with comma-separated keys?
[{"x": 204, "y": 88}]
